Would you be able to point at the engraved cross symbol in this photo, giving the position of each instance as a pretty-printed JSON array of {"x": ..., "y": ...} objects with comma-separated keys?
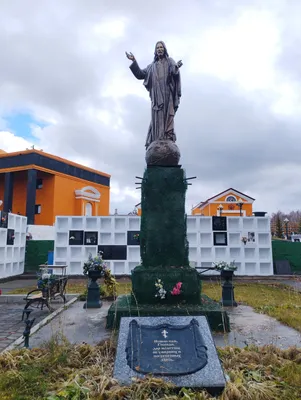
[{"x": 164, "y": 333}]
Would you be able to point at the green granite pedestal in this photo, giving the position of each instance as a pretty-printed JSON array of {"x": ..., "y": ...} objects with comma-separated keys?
[{"x": 164, "y": 256}]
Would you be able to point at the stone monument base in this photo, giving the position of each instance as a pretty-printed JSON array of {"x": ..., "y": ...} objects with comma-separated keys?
[
  {"x": 127, "y": 306},
  {"x": 145, "y": 291}
]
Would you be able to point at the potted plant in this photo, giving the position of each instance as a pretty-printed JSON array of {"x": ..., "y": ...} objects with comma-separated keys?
[
  {"x": 227, "y": 270},
  {"x": 96, "y": 268}
]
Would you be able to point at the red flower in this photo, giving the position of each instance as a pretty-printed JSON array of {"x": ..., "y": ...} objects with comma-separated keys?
[{"x": 177, "y": 289}]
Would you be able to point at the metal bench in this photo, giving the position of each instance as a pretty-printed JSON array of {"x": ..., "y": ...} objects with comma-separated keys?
[{"x": 41, "y": 297}]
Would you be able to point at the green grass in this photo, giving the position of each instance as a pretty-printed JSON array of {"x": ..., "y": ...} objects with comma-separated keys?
[
  {"x": 278, "y": 301},
  {"x": 61, "y": 371}
]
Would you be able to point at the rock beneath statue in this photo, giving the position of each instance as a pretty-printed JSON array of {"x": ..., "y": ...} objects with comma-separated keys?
[{"x": 162, "y": 153}]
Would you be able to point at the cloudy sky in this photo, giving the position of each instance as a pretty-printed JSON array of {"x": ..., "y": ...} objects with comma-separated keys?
[{"x": 66, "y": 87}]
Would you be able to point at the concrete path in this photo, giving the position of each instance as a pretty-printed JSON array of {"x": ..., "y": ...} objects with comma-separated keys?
[
  {"x": 249, "y": 327},
  {"x": 79, "y": 325}
]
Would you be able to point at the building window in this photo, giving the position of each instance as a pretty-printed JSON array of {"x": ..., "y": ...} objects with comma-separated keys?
[
  {"x": 231, "y": 198},
  {"x": 37, "y": 209},
  {"x": 39, "y": 184},
  {"x": 88, "y": 210}
]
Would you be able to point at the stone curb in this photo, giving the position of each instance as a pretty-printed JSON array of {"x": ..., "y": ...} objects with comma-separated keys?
[{"x": 44, "y": 321}]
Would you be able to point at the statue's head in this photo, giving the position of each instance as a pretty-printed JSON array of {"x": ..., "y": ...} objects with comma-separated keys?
[{"x": 160, "y": 50}]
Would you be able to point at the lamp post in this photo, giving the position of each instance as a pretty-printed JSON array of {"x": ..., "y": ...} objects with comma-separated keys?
[
  {"x": 240, "y": 203},
  {"x": 220, "y": 209},
  {"x": 286, "y": 221}
]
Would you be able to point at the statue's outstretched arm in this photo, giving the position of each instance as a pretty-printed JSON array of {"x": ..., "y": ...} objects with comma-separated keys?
[
  {"x": 130, "y": 56},
  {"x": 134, "y": 67}
]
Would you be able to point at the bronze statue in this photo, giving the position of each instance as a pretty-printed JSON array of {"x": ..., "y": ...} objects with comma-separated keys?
[{"x": 163, "y": 82}]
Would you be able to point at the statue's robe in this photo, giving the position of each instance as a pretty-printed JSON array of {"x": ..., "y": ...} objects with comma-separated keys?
[{"x": 162, "y": 80}]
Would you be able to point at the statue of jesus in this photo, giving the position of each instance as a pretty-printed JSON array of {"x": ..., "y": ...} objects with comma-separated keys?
[{"x": 162, "y": 80}]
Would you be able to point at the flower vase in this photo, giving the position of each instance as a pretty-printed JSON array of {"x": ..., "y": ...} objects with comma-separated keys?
[
  {"x": 228, "y": 289},
  {"x": 93, "y": 296},
  {"x": 227, "y": 275}
]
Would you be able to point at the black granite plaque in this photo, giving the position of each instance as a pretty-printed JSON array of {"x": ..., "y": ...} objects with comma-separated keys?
[
  {"x": 10, "y": 239},
  {"x": 133, "y": 238},
  {"x": 219, "y": 223},
  {"x": 113, "y": 252},
  {"x": 76, "y": 238},
  {"x": 166, "y": 349},
  {"x": 282, "y": 267},
  {"x": 91, "y": 238}
]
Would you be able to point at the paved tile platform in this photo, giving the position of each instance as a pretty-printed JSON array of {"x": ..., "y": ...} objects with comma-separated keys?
[{"x": 11, "y": 326}]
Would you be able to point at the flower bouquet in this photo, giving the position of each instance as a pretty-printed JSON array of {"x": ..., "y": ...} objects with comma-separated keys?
[
  {"x": 244, "y": 239},
  {"x": 224, "y": 266},
  {"x": 161, "y": 292},
  {"x": 96, "y": 268}
]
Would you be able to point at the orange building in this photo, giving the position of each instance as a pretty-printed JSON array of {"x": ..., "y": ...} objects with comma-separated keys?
[
  {"x": 229, "y": 203},
  {"x": 42, "y": 186},
  {"x": 138, "y": 209}
]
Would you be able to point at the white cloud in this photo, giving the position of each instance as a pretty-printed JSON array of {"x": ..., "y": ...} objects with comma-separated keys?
[
  {"x": 244, "y": 52},
  {"x": 10, "y": 142},
  {"x": 64, "y": 62}
]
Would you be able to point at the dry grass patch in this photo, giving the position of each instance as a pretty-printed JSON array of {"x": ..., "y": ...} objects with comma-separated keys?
[{"x": 64, "y": 371}]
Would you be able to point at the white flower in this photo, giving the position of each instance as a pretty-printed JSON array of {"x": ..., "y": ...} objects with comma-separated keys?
[{"x": 161, "y": 291}]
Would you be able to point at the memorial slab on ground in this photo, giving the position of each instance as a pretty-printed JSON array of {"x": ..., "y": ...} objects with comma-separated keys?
[{"x": 180, "y": 350}]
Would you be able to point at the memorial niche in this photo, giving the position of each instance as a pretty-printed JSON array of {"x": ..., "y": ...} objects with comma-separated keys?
[
  {"x": 220, "y": 238},
  {"x": 133, "y": 238},
  {"x": 76, "y": 238},
  {"x": 113, "y": 252},
  {"x": 91, "y": 238},
  {"x": 166, "y": 349},
  {"x": 10, "y": 237},
  {"x": 4, "y": 219},
  {"x": 219, "y": 223}
]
